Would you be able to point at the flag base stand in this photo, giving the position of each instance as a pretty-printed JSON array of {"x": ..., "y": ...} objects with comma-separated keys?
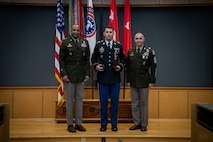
[{"x": 91, "y": 111}]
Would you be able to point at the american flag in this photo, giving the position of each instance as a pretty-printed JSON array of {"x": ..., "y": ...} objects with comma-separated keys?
[{"x": 60, "y": 35}]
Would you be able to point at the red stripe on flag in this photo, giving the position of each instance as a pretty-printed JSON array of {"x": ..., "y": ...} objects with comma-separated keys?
[
  {"x": 56, "y": 55},
  {"x": 58, "y": 42}
]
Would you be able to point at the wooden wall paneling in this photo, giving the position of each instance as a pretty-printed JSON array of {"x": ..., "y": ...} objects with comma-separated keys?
[
  {"x": 200, "y": 1},
  {"x": 27, "y": 104},
  {"x": 88, "y": 93},
  {"x": 106, "y": 2},
  {"x": 38, "y": 102},
  {"x": 27, "y": 1},
  {"x": 199, "y": 96},
  {"x": 174, "y": 1},
  {"x": 153, "y": 104},
  {"x": 6, "y": 0},
  {"x": 127, "y": 93},
  {"x": 48, "y": 109},
  {"x": 173, "y": 104},
  {"x": 138, "y": 2},
  {"x": 96, "y": 94},
  {"x": 54, "y": 1},
  {"x": 6, "y": 96}
]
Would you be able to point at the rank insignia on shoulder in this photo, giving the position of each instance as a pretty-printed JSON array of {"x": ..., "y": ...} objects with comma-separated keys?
[
  {"x": 100, "y": 41},
  {"x": 83, "y": 44}
]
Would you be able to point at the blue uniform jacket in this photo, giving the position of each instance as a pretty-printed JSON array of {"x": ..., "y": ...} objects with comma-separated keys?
[{"x": 108, "y": 57}]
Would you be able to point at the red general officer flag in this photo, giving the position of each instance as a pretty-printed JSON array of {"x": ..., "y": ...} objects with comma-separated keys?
[
  {"x": 127, "y": 30},
  {"x": 113, "y": 19}
]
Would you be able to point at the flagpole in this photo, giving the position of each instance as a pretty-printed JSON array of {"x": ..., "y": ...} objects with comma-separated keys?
[
  {"x": 127, "y": 35},
  {"x": 70, "y": 17},
  {"x": 92, "y": 83},
  {"x": 124, "y": 88},
  {"x": 90, "y": 32}
]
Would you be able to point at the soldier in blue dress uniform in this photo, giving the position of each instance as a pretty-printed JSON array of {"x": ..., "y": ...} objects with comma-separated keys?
[{"x": 108, "y": 60}]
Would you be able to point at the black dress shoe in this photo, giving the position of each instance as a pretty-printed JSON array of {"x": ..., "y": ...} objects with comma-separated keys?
[
  {"x": 70, "y": 128},
  {"x": 103, "y": 128},
  {"x": 135, "y": 127},
  {"x": 114, "y": 128},
  {"x": 143, "y": 128},
  {"x": 80, "y": 128}
]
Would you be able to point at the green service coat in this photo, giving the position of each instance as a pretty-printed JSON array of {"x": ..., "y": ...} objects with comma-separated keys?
[{"x": 74, "y": 59}]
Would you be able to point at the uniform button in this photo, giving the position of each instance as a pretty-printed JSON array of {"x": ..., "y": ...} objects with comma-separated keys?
[
  {"x": 109, "y": 64},
  {"x": 109, "y": 60},
  {"x": 109, "y": 56}
]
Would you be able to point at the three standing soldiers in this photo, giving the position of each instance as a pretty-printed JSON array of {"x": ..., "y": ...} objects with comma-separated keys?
[{"x": 108, "y": 60}]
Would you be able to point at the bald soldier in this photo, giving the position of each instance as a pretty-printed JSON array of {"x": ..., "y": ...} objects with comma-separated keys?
[
  {"x": 141, "y": 74},
  {"x": 74, "y": 60}
]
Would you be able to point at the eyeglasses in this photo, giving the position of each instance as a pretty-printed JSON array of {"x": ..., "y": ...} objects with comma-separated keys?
[{"x": 138, "y": 38}]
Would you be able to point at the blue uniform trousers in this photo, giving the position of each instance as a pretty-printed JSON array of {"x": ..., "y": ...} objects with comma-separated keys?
[{"x": 111, "y": 91}]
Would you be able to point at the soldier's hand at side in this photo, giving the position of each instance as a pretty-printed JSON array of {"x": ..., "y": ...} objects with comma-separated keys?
[
  {"x": 86, "y": 78},
  {"x": 117, "y": 68},
  {"x": 151, "y": 85},
  {"x": 99, "y": 67},
  {"x": 65, "y": 78}
]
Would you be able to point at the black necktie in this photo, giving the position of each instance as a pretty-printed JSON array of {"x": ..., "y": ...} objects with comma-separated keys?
[
  {"x": 76, "y": 42},
  {"x": 108, "y": 45},
  {"x": 138, "y": 50}
]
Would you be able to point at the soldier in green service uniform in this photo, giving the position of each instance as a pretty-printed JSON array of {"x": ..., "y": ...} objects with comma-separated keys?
[
  {"x": 141, "y": 73},
  {"x": 74, "y": 60}
]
